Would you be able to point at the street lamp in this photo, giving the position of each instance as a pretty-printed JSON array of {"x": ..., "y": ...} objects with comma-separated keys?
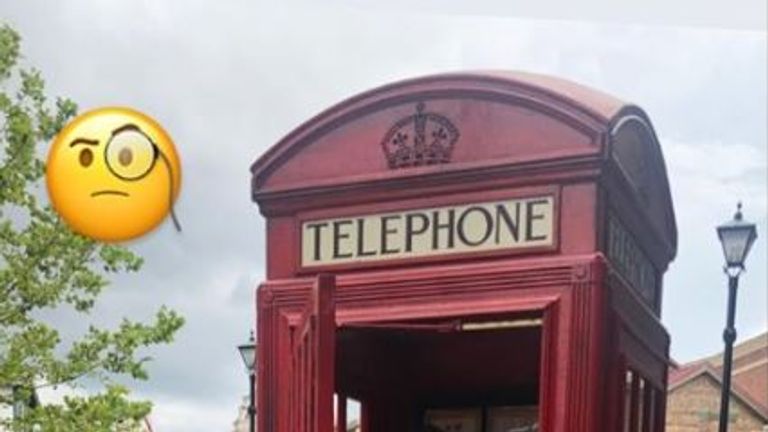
[
  {"x": 737, "y": 237},
  {"x": 248, "y": 352}
]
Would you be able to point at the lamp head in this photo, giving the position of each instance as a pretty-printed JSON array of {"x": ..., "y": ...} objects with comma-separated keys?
[
  {"x": 737, "y": 237},
  {"x": 248, "y": 353}
]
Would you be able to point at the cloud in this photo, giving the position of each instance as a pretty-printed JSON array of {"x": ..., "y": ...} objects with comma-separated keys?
[
  {"x": 707, "y": 179},
  {"x": 701, "y": 171},
  {"x": 179, "y": 414},
  {"x": 228, "y": 79}
]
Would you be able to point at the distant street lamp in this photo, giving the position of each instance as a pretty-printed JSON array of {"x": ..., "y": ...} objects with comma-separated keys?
[
  {"x": 248, "y": 352},
  {"x": 737, "y": 237}
]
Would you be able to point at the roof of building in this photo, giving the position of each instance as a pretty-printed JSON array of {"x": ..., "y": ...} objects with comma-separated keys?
[{"x": 742, "y": 350}]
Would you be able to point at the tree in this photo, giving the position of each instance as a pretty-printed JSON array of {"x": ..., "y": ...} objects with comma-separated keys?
[{"x": 44, "y": 265}]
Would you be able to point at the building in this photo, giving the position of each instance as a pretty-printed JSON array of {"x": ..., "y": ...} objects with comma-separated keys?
[
  {"x": 20, "y": 409},
  {"x": 17, "y": 409},
  {"x": 693, "y": 400},
  {"x": 241, "y": 421}
]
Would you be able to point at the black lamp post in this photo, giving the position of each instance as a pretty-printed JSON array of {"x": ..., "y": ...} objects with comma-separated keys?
[
  {"x": 737, "y": 237},
  {"x": 248, "y": 352}
]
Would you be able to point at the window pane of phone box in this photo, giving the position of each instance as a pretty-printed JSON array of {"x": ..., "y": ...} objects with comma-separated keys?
[
  {"x": 513, "y": 419},
  {"x": 459, "y": 420},
  {"x": 499, "y": 419}
]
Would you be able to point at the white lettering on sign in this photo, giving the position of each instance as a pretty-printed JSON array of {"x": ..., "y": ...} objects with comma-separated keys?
[{"x": 505, "y": 224}]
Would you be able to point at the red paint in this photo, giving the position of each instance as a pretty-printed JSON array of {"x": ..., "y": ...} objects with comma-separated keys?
[{"x": 381, "y": 331}]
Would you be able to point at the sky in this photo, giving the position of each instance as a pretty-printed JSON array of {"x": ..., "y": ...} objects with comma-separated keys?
[{"x": 229, "y": 79}]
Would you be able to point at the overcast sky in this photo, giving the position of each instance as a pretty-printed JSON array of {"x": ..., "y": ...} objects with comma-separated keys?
[{"x": 227, "y": 80}]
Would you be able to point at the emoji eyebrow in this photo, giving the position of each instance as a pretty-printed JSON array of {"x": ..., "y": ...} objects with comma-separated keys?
[
  {"x": 125, "y": 127},
  {"x": 85, "y": 141}
]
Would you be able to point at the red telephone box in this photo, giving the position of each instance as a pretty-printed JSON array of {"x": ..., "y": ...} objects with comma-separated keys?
[{"x": 465, "y": 252}]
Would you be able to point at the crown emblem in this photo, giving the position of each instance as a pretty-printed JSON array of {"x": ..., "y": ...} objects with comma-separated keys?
[{"x": 423, "y": 138}]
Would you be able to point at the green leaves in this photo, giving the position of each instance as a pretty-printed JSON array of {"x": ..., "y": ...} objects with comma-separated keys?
[
  {"x": 44, "y": 266},
  {"x": 9, "y": 51},
  {"x": 109, "y": 411}
]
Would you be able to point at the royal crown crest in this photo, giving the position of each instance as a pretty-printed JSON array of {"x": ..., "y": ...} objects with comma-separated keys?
[{"x": 423, "y": 138}]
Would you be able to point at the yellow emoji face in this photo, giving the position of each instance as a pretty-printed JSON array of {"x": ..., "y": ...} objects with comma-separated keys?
[{"x": 113, "y": 174}]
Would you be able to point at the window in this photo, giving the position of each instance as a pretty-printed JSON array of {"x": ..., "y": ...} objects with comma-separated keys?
[{"x": 641, "y": 404}]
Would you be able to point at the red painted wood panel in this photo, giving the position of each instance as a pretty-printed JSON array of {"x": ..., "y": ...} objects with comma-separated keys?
[
  {"x": 519, "y": 136},
  {"x": 313, "y": 361}
]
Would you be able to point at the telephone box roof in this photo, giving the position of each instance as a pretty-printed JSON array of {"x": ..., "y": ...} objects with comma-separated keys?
[{"x": 545, "y": 118}]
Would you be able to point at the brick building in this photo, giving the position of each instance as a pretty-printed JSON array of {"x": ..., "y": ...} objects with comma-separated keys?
[
  {"x": 693, "y": 403},
  {"x": 241, "y": 421}
]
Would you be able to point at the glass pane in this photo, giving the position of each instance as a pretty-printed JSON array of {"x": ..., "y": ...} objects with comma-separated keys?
[
  {"x": 353, "y": 415},
  {"x": 640, "y": 404},
  {"x": 651, "y": 420},
  {"x": 627, "y": 400},
  {"x": 454, "y": 420},
  {"x": 735, "y": 245},
  {"x": 513, "y": 419}
]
